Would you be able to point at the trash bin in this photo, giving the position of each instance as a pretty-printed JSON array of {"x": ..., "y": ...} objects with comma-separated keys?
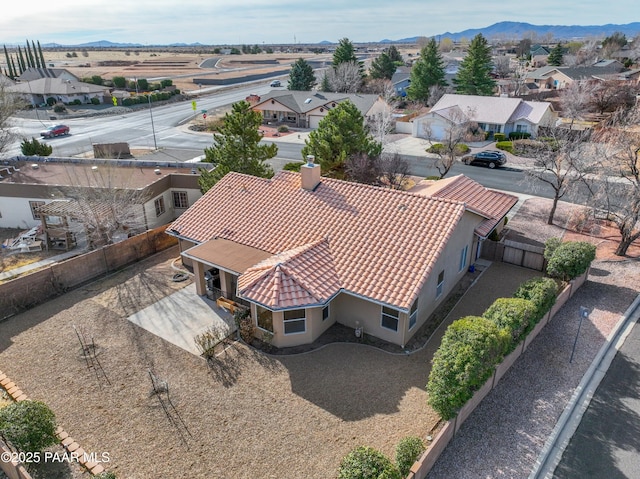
[{"x": 472, "y": 268}]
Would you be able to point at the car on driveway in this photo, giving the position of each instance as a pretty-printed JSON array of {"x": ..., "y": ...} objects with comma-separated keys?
[
  {"x": 490, "y": 158},
  {"x": 57, "y": 130},
  {"x": 275, "y": 83}
]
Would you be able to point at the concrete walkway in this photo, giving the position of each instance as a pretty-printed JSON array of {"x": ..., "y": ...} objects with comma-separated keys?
[{"x": 179, "y": 317}]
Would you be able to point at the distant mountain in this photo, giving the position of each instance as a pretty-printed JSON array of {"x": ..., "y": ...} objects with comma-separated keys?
[{"x": 515, "y": 31}]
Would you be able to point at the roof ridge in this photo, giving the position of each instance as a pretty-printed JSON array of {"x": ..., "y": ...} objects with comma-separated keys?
[{"x": 284, "y": 269}]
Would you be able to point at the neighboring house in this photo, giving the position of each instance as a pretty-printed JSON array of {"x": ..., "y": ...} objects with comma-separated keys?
[
  {"x": 37, "y": 92},
  {"x": 492, "y": 114},
  {"x": 557, "y": 78},
  {"x": 5, "y": 81},
  {"x": 539, "y": 50},
  {"x": 305, "y": 109},
  {"x": 401, "y": 80},
  {"x": 27, "y": 183},
  {"x": 304, "y": 252},
  {"x": 31, "y": 74}
]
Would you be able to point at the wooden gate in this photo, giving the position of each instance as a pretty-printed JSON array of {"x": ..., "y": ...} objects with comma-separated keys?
[{"x": 522, "y": 254}]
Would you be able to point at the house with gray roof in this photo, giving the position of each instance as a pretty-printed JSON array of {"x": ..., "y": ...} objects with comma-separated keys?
[
  {"x": 39, "y": 91},
  {"x": 305, "y": 109},
  {"x": 556, "y": 78},
  {"x": 32, "y": 73},
  {"x": 492, "y": 114}
]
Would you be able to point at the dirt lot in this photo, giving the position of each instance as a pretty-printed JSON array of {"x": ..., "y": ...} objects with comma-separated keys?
[{"x": 247, "y": 414}]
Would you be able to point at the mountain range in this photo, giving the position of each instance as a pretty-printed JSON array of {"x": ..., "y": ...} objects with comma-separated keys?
[{"x": 500, "y": 30}]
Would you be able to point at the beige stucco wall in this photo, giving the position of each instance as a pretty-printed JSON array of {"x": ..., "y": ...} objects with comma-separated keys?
[
  {"x": 184, "y": 246},
  {"x": 315, "y": 326}
]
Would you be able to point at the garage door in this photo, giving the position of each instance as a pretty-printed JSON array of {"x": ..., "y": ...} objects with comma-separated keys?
[{"x": 314, "y": 121}]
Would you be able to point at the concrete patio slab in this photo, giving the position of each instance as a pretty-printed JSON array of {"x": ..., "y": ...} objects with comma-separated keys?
[{"x": 181, "y": 316}]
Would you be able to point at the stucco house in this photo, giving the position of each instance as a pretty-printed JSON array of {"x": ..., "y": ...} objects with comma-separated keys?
[
  {"x": 303, "y": 252},
  {"x": 492, "y": 114},
  {"x": 31, "y": 187},
  {"x": 305, "y": 109},
  {"x": 37, "y": 92},
  {"x": 557, "y": 78},
  {"x": 32, "y": 73}
]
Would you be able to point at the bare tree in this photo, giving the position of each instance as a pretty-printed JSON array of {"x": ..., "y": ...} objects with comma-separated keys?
[
  {"x": 617, "y": 198},
  {"x": 107, "y": 204},
  {"x": 382, "y": 123},
  {"x": 587, "y": 55},
  {"x": 345, "y": 78},
  {"x": 608, "y": 96},
  {"x": 435, "y": 93},
  {"x": 575, "y": 101},
  {"x": 9, "y": 104},
  {"x": 502, "y": 66},
  {"x": 394, "y": 170},
  {"x": 461, "y": 128},
  {"x": 363, "y": 168},
  {"x": 389, "y": 169},
  {"x": 562, "y": 160}
]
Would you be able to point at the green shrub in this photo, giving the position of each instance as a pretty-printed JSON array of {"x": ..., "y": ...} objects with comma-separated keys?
[
  {"x": 519, "y": 135},
  {"x": 95, "y": 101},
  {"x": 515, "y": 315},
  {"x": 571, "y": 259},
  {"x": 127, "y": 102},
  {"x": 35, "y": 148},
  {"x": 470, "y": 349},
  {"x": 408, "y": 450},
  {"x": 499, "y": 136},
  {"x": 367, "y": 463},
  {"x": 51, "y": 101},
  {"x": 439, "y": 149},
  {"x": 541, "y": 292},
  {"x": 293, "y": 166},
  {"x": 29, "y": 425},
  {"x": 59, "y": 108},
  {"x": 283, "y": 128},
  {"x": 505, "y": 145},
  {"x": 550, "y": 246}
]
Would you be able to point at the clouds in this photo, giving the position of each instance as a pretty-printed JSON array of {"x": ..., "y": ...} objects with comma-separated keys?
[{"x": 278, "y": 21}]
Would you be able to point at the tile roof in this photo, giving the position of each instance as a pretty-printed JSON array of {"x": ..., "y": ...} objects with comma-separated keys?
[
  {"x": 492, "y": 205},
  {"x": 381, "y": 243}
]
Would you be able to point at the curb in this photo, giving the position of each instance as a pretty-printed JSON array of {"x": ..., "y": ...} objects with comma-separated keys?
[{"x": 566, "y": 426}]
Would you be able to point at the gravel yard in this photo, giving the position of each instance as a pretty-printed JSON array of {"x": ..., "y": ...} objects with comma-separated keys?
[{"x": 252, "y": 415}]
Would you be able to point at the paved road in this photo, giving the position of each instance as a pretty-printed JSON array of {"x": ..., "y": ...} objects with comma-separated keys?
[{"x": 607, "y": 441}]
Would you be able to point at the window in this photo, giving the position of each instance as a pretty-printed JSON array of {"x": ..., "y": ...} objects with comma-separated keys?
[
  {"x": 390, "y": 318},
  {"x": 325, "y": 312},
  {"x": 463, "y": 258},
  {"x": 265, "y": 319},
  {"x": 34, "y": 205},
  {"x": 522, "y": 128},
  {"x": 295, "y": 321},
  {"x": 159, "y": 203},
  {"x": 180, "y": 199},
  {"x": 440, "y": 286},
  {"x": 413, "y": 314}
]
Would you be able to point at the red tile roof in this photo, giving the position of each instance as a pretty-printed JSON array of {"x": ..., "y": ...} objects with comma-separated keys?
[
  {"x": 492, "y": 205},
  {"x": 377, "y": 243}
]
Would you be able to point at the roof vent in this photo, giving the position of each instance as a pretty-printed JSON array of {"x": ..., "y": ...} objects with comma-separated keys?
[
  {"x": 308, "y": 100},
  {"x": 157, "y": 171},
  {"x": 35, "y": 166},
  {"x": 94, "y": 168}
]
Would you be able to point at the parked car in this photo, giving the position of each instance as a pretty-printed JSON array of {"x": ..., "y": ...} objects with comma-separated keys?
[
  {"x": 490, "y": 158},
  {"x": 57, "y": 130},
  {"x": 275, "y": 83}
]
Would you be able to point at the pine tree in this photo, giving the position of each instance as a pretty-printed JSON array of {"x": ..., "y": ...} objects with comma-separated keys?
[
  {"x": 345, "y": 53},
  {"x": 301, "y": 76},
  {"x": 35, "y": 55},
  {"x": 325, "y": 85},
  {"x": 382, "y": 67},
  {"x": 29, "y": 54},
  {"x": 11, "y": 74},
  {"x": 556, "y": 56},
  {"x": 237, "y": 147},
  {"x": 15, "y": 72},
  {"x": 395, "y": 55},
  {"x": 427, "y": 72},
  {"x": 340, "y": 134},
  {"x": 474, "y": 75},
  {"x": 21, "y": 61}
]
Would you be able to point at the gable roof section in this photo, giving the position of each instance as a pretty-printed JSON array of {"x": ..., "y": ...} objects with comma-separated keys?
[
  {"x": 300, "y": 277},
  {"x": 56, "y": 86},
  {"x": 383, "y": 243},
  {"x": 492, "y": 205},
  {"x": 305, "y": 101}
]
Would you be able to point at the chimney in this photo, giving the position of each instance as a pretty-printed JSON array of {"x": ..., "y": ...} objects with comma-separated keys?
[{"x": 310, "y": 173}]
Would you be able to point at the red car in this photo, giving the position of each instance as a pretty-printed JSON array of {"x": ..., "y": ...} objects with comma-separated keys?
[{"x": 57, "y": 130}]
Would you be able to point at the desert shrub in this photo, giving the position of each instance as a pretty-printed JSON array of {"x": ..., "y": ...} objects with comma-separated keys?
[
  {"x": 29, "y": 425},
  {"x": 541, "y": 292},
  {"x": 283, "y": 128},
  {"x": 470, "y": 349},
  {"x": 499, "y": 136},
  {"x": 367, "y": 463},
  {"x": 519, "y": 135},
  {"x": 515, "y": 315},
  {"x": 208, "y": 340},
  {"x": 505, "y": 145},
  {"x": 293, "y": 166},
  {"x": 35, "y": 148},
  {"x": 59, "y": 108},
  {"x": 571, "y": 259},
  {"x": 215, "y": 124},
  {"x": 439, "y": 149},
  {"x": 245, "y": 325},
  {"x": 408, "y": 451}
]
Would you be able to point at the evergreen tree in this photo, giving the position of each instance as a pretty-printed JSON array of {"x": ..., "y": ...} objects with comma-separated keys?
[
  {"x": 41, "y": 55},
  {"x": 395, "y": 55},
  {"x": 427, "y": 72},
  {"x": 30, "y": 60},
  {"x": 556, "y": 56},
  {"x": 15, "y": 71},
  {"x": 11, "y": 74},
  {"x": 36, "y": 57},
  {"x": 237, "y": 147},
  {"x": 340, "y": 134},
  {"x": 301, "y": 76},
  {"x": 382, "y": 67},
  {"x": 21, "y": 61},
  {"x": 346, "y": 53},
  {"x": 474, "y": 75},
  {"x": 325, "y": 85}
]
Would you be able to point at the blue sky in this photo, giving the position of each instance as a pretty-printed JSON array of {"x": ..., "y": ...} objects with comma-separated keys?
[{"x": 281, "y": 21}]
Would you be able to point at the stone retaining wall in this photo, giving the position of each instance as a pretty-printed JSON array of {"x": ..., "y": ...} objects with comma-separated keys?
[{"x": 423, "y": 465}]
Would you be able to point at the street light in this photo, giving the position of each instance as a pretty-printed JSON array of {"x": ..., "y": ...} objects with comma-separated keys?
[
  {"x": 155, "y": 144},
  {"x": 584, "y": 314}
]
